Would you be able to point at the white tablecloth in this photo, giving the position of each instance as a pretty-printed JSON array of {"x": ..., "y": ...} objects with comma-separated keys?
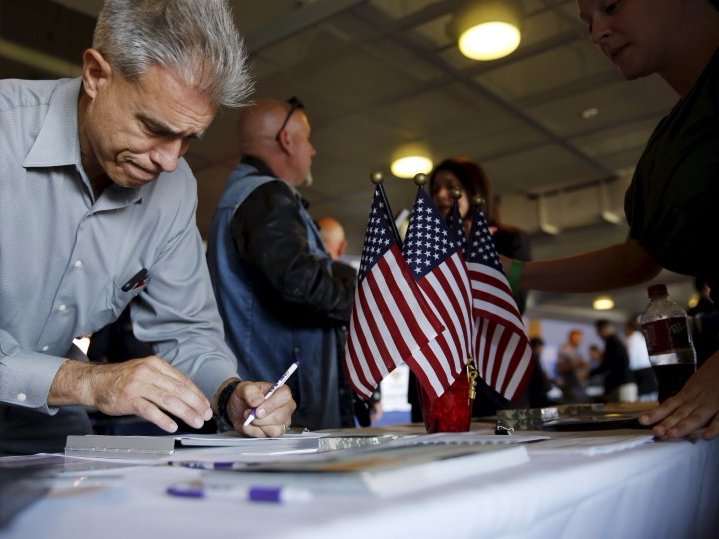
[{"x": 658, "y": 490}]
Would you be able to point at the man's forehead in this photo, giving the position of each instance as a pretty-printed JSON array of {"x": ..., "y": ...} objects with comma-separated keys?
[{"x": 166, "y": 101}]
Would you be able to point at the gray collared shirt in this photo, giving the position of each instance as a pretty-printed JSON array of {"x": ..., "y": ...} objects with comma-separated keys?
[{"x": 64, "y": 256}]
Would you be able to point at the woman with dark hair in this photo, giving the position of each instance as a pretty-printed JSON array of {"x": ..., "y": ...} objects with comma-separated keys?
[{"x": 471, "y": 179}]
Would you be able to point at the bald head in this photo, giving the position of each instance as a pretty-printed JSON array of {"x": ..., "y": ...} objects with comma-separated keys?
[
  {"x": 288, "y": 152},
  {"x": 333, "y": 236},
  {"x": 258, "y": 122}
]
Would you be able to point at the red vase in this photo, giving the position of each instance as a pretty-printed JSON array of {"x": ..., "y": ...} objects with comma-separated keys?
[{"x": 452, "y": 412}]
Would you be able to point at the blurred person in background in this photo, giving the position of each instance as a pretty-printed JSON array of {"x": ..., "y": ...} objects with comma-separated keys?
[
  {"x": 647, "y": 389},
  {"x": 335, "y": 240},
  {"x": 275, "y": 283},
  {"x": 619, "y": 383},
  {"x": 572, "y": 368}
]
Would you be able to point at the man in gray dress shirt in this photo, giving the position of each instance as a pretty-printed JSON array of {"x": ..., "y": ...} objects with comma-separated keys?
[{"x": 97, "y": 207}]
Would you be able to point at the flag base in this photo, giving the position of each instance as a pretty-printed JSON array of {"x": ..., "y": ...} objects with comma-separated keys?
[{"x": 452, "y": 412}]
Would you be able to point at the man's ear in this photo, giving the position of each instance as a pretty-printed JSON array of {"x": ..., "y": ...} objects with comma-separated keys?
[
  {"x": 96, "y": 71},
  {"x": 285, "y": 141}
]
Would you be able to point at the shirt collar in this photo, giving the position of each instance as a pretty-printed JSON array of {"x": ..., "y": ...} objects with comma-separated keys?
[
  {"x": 264, "y": 169},
  {"x": 58, "y": 143}
]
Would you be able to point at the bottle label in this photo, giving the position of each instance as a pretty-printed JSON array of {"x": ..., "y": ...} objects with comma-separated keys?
[{"x": 666, "y": 335}]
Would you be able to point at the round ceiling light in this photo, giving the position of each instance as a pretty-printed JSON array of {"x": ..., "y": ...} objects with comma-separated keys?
[
  {"x": 488, "y": 29},
  {"x": 489, "y": 41},
  {"x": 603, "y": 303},
  {"x": 409, "y": 165}
]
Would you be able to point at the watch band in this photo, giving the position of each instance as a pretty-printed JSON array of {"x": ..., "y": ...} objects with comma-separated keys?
[{"x": 224, "y": 399}]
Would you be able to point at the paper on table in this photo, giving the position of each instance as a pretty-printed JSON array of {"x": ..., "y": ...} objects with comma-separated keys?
[
  {"x": 134, "y": 448},
  {"x": 305, "y": 440},
  {"x": 467, "y": 438},
  {"x": 150, "y": 449},
  {"x": 590, "y": 445}
]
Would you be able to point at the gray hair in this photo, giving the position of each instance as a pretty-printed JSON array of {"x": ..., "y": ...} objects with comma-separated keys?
[{"x": 197, "y": 38}]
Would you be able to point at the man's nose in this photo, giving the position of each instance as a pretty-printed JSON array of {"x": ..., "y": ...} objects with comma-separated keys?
[{"x": 167, "y": 154}]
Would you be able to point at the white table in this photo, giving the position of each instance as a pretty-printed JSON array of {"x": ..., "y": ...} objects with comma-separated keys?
[{"x": 658, "y": 490}]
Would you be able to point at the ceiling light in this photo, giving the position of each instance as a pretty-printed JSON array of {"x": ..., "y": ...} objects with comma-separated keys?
[
  {"x": 488, "y": 29},
  {"x": 603, "y": 303},
  {"x": 589, "y": 113},
  {"x": 411, "y": 159}
]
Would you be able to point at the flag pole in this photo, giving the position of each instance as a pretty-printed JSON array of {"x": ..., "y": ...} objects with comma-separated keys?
[
  {"x": 377, "y": 179},
  {"x": 456, "y": 194},
  {"x": 472, "y": 372}
]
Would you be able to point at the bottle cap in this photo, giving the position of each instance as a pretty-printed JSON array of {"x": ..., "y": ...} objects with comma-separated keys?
[{"x": 657, "y": 290}]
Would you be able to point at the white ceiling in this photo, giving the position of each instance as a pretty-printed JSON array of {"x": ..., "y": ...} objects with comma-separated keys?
[{"x": 376, "y": 74}]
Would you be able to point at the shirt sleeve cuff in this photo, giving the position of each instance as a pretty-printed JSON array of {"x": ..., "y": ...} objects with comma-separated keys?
[
  {"x": 212, "y": 375},
  {"x": 26, "y": 377}
]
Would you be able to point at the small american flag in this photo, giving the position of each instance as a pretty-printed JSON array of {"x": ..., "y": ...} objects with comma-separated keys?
[
  {"x": 501, "y": 347},
  {"x": 433, "y": 253},
  {"x": 390, "y": 317}
]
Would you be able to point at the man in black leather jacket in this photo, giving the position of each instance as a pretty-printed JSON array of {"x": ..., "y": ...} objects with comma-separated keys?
[{"x": 278, "y": 294}]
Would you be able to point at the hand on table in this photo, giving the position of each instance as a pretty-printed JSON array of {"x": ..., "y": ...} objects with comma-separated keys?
[
  {"x": 272, "y": 416},
  {"x": 148, "y": 387},
  {"x": 695, "y": 406}
]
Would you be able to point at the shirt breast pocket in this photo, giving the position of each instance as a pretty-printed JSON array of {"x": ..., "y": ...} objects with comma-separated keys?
[{"x": 125, "y": 289}]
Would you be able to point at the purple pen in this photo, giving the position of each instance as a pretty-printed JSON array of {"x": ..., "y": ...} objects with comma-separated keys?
[
  {"x": 200, "y": 465},
  {"x": 270, "y": 494}
]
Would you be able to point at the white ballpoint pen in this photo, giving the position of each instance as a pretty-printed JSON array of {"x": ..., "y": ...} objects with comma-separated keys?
[{"x": 279, "y": 384}]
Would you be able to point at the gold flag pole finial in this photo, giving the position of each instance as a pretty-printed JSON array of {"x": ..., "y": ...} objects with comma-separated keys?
[
  {"x": 456, "y": 193},
  {"x": 477, "y": 200},
  {"x": 420, "y": 179},
  {"x": 472, "y": 374},
  {"x": 376, "y": 177}
]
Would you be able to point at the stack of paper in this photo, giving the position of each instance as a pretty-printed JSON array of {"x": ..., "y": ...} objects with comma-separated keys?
[
  {"x": 288, "y": 442},
  {"x": 155, "y": 447}
]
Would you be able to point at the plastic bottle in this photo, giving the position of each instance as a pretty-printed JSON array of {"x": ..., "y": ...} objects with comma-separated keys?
[{"x": 669, "y": 342}]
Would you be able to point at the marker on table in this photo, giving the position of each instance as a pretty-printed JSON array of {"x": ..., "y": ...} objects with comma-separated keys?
[
  {"x": 250, "y": 493},
  {"x": 202, "y": 465},
  {"x": 279, "y": 384}
]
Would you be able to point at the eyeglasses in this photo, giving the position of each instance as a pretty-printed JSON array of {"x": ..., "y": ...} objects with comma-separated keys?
[{"x": 294, "y": 105}]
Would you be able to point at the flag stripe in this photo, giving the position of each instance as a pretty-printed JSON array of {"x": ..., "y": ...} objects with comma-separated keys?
[{"x": 363, "y": 345}]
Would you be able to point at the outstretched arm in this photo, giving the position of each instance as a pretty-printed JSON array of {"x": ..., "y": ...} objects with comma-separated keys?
[{"x": 616, "y": 266}]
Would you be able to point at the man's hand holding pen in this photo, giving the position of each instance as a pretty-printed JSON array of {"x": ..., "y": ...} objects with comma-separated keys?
[
  {"x": 154, "y": 390},
  {"x": 273, "y": 413}
]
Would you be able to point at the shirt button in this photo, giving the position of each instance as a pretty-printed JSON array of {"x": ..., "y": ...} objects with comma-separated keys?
[
  {"x": 21, "y": 397},
  {"x": 78, "y": 263},
  {"x": 62, "y": 307},
  {"x": 45, "y": 348}
]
